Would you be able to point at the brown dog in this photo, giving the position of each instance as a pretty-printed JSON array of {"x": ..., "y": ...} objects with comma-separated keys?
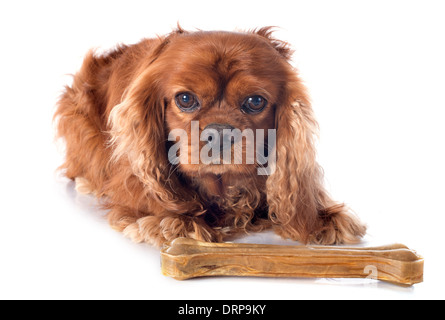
[{"x": 119, "y": 113}]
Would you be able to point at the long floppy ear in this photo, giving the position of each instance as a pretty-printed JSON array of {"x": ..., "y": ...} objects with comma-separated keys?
[
  {"x": 299, "y": 206},
  {"x": 292, "y": 189},
  {"x": 138, "y": 135}
]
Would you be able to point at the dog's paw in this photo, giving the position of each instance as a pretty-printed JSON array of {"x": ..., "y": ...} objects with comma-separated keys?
[
  {"x": 335, "y": 225},
  {"x": 145, "y": 229},
  {"x": 173, "y": 227},
  {"x": 83, "y": 186},
  {"x": 338, "y": 228},
  {"x": 157, "y": 230}
]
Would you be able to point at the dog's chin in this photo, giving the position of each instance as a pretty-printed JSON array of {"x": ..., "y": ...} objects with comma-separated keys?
[
  {"x": 197, "y": 170},
  {"x": 215, "y": 180}
]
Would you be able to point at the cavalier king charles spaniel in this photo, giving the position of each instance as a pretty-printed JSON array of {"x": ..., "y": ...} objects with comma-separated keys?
[{"x": 140, "y": 122}]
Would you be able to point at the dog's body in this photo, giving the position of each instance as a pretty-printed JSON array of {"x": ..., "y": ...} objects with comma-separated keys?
[{"x": 117, "y": 115}]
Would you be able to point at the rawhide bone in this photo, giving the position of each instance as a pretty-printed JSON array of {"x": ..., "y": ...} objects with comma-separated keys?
[{"x": 187, "y": 258}]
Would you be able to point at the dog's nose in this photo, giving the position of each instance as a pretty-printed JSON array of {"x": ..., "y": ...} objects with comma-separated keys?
[{"x": 224, "y": 132}]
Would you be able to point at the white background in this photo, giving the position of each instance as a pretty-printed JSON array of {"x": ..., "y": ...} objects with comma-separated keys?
[{"x": 375, "y": 71}]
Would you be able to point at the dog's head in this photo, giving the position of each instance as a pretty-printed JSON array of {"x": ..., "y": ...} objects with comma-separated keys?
[
  {"x": 221, "y": 85},
  {"x": 191, "y": 96}
]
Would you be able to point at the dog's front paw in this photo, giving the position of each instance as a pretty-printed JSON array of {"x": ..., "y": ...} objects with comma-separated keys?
[
  {"x": 83, "y": 186},
  {"x": 334, "y": 225},
  {"x": 338, "y": 227},
  {"x": 145, "y": 229},
  {"x": 157, "y": 230}
]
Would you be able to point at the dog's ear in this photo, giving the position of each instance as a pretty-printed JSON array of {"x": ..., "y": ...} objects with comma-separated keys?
[
  {"x": 299, "y": 206},
  {"x": 137, "y": 130},
  {"x": 282, "y": 47},
  {"x": 293, "y": 190}
]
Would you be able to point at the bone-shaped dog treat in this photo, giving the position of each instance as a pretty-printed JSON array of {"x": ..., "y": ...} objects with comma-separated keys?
[{"x": 187, "y": 258}]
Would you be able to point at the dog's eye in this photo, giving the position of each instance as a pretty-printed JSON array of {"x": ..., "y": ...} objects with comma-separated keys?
[
  {"x": 254, "y": 104},
  {"x": 186, "y": 101}
]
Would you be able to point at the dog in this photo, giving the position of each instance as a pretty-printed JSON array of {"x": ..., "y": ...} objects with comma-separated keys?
[{"x": 125, "y": 110}]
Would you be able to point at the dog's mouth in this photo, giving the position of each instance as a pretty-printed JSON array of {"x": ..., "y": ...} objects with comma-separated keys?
[{"x": 217, "y": 168}]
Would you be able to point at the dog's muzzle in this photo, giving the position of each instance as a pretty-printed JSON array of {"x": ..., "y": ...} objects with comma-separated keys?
[{"x": 224, "y": 136}]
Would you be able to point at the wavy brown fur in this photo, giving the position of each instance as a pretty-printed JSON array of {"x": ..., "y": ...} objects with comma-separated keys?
[{"x": 116, "y": 115}]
